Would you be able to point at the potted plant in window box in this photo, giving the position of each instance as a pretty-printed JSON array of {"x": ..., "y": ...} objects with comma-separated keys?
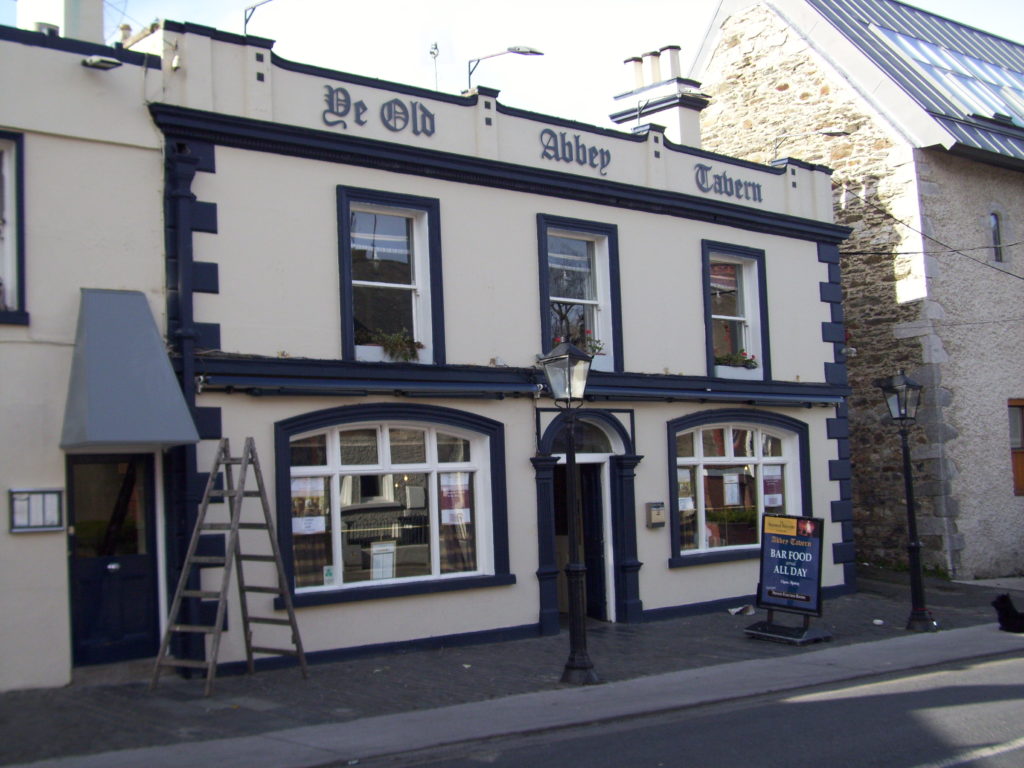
[
  {"x": 398, "y": 346},
  {"x": 737, "y": 365}
]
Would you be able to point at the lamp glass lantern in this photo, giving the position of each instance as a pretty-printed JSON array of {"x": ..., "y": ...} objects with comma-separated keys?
[
  {"x": 566, "y": 368},
  {"x": 902, "y": 396}
]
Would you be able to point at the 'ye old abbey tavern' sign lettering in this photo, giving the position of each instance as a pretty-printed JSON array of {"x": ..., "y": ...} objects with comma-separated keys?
[
  {"x": 558, "y": 146},
  {"x": 723, "y": 184},
  {"x": 395, "y": 115}
]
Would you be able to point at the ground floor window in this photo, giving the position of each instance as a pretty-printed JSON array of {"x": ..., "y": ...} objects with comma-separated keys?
[
  {"x": 727, "y": 476},
  {"x": 388, "y": 501},
  {"x": 1016, "y": 410}
]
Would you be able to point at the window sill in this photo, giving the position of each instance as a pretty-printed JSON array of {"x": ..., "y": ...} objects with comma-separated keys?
[
  {"x": 707, "y": 558},
  {"x": 372, "y": 353},
  {"x": 383, "y": 591},
  {"x": 13, "y": 317},
  {"x": 738, "y": 372}
]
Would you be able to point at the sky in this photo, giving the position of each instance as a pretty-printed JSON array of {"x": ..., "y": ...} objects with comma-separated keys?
[{"x": 584, "y": 42}]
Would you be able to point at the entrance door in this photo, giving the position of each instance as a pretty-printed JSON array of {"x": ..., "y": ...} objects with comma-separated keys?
[
  {"x": 592, "y": 537},
  {"x": 112, "y": 562}
]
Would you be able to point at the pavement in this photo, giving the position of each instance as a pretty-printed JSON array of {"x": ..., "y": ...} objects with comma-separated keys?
[{"x": 398, "y": 702}]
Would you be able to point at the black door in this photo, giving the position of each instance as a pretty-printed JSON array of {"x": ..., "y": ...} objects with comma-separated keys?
[
  {"x": 592, "y": 542},
  {"x": 112, "y": 559}
]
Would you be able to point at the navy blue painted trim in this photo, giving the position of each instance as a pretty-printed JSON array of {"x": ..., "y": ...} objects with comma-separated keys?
[
  {"x": 622, "y": 503},
  {"x": 843, "y": 448},
  {"x": 835, "y": 373},
  {"x": 205, "y": 277},
  {"x": 208, "y": 422},
  {"x": 431, "y": 207},
  {"x": 245, "y": 133},
  {"x": 716, "y": 606},
  {"x": 837, "y": 428},
  {"x": 605, "y": 419},
  {"x": 20, "y": 315},
  {"x": 833, "y": 332},
  {"x": 707, "y": 247},
  {"x": 434, "y": 642},
  {"x": 831, "y": 293},
  {"x": 696, "y": 609},
  {"x": 80, "y": 47},
  {"x": 373, "y": 412},
  {"x": 707, "y": 558},
  {"x": 611, "y": 234},
  {"x": 191, "y": 28},
  {"x": 672, "y": 101},
  {"x": 844, "y": 553},
  {"x": 204, "y": 217},
  {"x": 207, "y": 335},
  {"x": 547, "y": 557},
  {"x": 271, "y": 375},
  {"x": 839, "y": 469},
  {"x": 842, "y": 511},
  {"x": 384, "y": 591},
  {"x": 828, "y": 253},
  {"x": 575, "y": 125},
  {"x": 372, "y": 82},
  {"x": 734, "y": 415},
  {"x": 838, "y": 316}
]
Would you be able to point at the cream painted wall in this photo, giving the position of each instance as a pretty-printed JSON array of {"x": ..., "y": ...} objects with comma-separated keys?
[
  {"x": 661, "y": 586},
  {"x": 370, "y": 622},
  {"x": 382, "y": 621},
  {"x": 91, "y": 220},
  {"x": 277, "y": 252}
]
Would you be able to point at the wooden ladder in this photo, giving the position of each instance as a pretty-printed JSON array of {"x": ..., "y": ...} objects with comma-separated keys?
[{"x": 232, "y": 554}]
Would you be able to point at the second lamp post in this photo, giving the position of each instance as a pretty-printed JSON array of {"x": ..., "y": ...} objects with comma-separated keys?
[{"x": 903, "y": 396}]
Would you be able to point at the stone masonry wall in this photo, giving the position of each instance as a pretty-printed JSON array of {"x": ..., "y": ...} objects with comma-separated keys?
[
  {"x": 765, "y": 82},
  {"x": 976, "y": 313}
]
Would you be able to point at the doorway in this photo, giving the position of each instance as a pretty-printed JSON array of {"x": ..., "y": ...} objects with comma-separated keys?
[
  {"x": 592, "y": 543},
  {"x": 112, "y": 558}
]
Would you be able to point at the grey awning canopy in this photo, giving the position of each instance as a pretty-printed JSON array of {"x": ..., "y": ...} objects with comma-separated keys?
[{"x": 122, "y": 393}]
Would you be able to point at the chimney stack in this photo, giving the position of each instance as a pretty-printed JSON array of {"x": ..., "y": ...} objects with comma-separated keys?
[
  {"x": 661, "y": 95},
  {"x": 75, "y": 19}
]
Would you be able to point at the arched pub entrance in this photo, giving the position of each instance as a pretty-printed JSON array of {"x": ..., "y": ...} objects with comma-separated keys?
[{"x": 606, "y": 462}]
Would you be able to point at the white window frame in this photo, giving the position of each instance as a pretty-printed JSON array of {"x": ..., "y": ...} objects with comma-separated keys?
[
  {"x": 602, "y": 301},
  {"x": 419, "y": 289},
  {"x": 9, "y": 294},
  {"x": 789, "y": 461},
  {"x": 335, "y": 472},
  {"x": 749, "y": 303}
]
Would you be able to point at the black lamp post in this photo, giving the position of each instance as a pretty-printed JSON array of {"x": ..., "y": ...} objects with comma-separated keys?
[
  {"x": 566, "y": 368},
  {"x": 903, "y": 396}
]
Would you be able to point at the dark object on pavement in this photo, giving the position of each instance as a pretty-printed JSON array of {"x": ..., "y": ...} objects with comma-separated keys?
[{"x": 1010, "y": 619}]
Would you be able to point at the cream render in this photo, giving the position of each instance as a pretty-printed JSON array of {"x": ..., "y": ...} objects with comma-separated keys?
[{"x": 106, "y": 181}]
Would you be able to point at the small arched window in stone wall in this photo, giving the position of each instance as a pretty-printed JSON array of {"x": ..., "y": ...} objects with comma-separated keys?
[{"x": 995, "y": 230}]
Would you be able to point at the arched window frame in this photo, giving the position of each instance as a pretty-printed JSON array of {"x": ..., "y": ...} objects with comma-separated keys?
[
  {"x": 796, "y": 454},
  {"x": 492, "y": 538}
]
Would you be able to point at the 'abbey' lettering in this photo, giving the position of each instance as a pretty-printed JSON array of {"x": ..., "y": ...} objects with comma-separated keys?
[{"x": 558, "y": 146}]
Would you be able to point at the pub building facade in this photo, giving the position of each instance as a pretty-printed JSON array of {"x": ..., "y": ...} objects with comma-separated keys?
[{"x": 212, "y": 241}]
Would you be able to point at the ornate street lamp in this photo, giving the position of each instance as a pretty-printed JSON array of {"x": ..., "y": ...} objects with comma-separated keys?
[
  {"x": 522, "y": 50},
  {"x": 566, "y": 368},
  {"x": 903, "y": 396}
]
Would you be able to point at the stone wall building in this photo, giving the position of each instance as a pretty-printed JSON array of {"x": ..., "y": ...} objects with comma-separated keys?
[{"x": 922, "y": 120}]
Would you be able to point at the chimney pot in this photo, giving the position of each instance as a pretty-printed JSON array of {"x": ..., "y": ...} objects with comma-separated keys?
[{"x": 652, "y": 67}]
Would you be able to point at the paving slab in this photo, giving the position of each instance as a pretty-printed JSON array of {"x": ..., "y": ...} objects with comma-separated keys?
[{"x": 277, "y": 718}]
